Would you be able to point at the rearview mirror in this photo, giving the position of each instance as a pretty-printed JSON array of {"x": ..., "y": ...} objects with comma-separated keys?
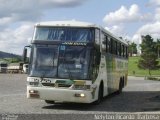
[
  {"x": 104, "y": 42},
  {"x": 25, "y": 53}
]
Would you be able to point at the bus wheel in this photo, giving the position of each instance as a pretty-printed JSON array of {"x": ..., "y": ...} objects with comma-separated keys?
[
  {"x": 49, "y": 101},
  {"x": 100, "y": 95},
  {"x": 120, "y": 86}
]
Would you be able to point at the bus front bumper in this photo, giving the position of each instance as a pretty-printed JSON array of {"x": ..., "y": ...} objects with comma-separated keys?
[{"x": 61, "y": 95}]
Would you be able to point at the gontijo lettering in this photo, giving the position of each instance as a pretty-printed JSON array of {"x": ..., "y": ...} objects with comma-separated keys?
[{"x": 74, "y": 43}]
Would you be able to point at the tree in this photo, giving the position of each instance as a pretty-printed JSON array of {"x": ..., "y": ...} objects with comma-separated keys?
[
  {"x": 132, "y": 48},
  {"x": 12, "y": 60},
  {"x": 148, "y": 58},
  {"x": 158, "y": 48},
  {"x": 15, "y": 60}
]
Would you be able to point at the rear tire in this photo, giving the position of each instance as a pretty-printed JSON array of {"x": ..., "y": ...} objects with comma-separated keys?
[{"x": 49, "y": 101}]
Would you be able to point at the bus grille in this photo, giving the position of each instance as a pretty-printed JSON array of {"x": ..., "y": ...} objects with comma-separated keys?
[
  {"x": 48, "y": 84},
  {"x": 56, "y": 85}
]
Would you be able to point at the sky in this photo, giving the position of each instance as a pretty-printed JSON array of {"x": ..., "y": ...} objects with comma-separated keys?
[{"x": 126, "y": 18}]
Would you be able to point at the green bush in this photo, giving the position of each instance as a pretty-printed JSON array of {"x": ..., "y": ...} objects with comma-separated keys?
[
  {"x": 133, "y": 69},
  {"x": 153, "y": 78}
]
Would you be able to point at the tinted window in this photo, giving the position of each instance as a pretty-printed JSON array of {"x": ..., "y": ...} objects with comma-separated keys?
[{"x": 64, "y": 34}]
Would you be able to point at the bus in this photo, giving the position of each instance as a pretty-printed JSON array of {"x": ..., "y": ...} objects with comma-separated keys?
[{"x": 74, "y": 61}]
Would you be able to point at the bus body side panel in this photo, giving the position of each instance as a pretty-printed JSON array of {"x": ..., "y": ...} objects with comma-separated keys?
[
  {"x": 109, "y": 70},
  {"x": 116, "y": 69},
  {"x": 121, "y": 68},
  {"x": 103, "y": 75}
]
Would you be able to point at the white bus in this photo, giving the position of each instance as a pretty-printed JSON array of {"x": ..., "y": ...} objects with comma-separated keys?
[{"x": 72, "y": 61}]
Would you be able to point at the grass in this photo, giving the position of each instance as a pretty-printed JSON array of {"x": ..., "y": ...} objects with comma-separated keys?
[{"x": 132, "y": 67}]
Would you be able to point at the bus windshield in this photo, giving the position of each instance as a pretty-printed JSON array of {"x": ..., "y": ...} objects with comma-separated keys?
[
  {"x": 60, "y": 61},
  {"x": 74, "y": 62},
  {"x": 64, "y": 34},
  {"x": 44, "y": 61}
]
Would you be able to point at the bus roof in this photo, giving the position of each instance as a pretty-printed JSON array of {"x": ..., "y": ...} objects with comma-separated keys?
[{"x": 73, "y": 23}]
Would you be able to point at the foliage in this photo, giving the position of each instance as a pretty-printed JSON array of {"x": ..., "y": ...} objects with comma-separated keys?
[
  {"x": 134, "y": 70},
  {"x": 148, "y": 61},
  {"x": 11, "y": 60},
  {"x": 148, "y": 58},
  {"x": 132, "y": 49},
  {"x": 158, "y": 47},
  {"x": 153, "y": 78},
  {"x": 4, "y": 55}
]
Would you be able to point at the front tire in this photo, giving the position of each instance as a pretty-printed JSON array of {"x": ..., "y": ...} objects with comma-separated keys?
[{"x": 100, "y": 95}]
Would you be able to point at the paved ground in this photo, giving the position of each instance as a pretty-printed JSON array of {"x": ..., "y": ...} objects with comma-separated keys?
[{"x": 139, "y": 96}]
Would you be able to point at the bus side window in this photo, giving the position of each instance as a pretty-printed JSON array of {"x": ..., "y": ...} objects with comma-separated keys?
[
  {"x": 120, "y": 49},
  {"x": 97, "y": 36},
  {"x": 126, "y": 52},
  {"x": 107, "y": 45},
  {"x": 103, "y": 42},
  {"x": 111, "y": 46},
  {"x": 114, "y": 47},
  {"x": 116, "y": 52},
  {"x": 123, "y": 50}
]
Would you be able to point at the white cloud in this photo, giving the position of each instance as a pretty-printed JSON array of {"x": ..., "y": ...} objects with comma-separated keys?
[
  {"x": 30, "y": 10},
  {"x": 136, "y": 38},
  {"x": 13, "y": 12},
  {"x": 124, "y": 15},
  {"x": 13, "y": 41},
  {"x": 116, "y": 30},
  {"x": 154, "y": 2},
  {"x": 119, "y": 31},
  {"x": 152, "y": 29},
  {"x": 116, "y": 21},
  {"x": 157, "y": 14}
]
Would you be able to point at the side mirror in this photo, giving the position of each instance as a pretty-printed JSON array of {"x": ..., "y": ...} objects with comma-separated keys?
[
  {"x": 104, "y": 42},
  {"x": 25, "y": 53}
]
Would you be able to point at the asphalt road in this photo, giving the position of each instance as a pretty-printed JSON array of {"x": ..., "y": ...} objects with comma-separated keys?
[{"x": 139, "y": 96}]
